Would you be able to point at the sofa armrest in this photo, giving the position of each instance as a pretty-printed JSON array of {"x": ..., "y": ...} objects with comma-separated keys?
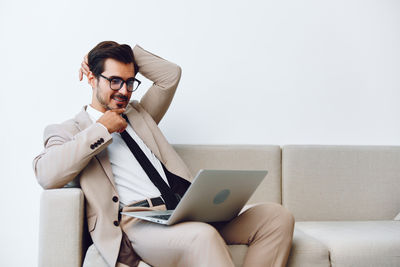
[{"x": 61, "y": 226}]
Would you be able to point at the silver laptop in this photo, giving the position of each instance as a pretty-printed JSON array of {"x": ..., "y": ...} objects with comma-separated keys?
[{"x": 214, "y": 196}]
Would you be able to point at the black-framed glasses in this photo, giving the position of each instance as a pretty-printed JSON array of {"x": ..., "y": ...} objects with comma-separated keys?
[{"x": 116, "y": 83}]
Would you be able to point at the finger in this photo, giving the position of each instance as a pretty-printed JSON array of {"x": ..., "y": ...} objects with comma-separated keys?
[
  {"x": 119, "y": 110},
  {"x": 122, "y": 129},
  {"x": 80, "y": 75},
  {"x": 85, "y": 67},
  {"x": 85, "y": 72}
]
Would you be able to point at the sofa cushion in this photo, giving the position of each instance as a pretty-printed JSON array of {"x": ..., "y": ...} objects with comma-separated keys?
[
  {"x": 239, "y": 157},
  {"x": 334, "y": 183},
  {"x": 358, "y": 243},
  {"x": 307, "y": 251}
]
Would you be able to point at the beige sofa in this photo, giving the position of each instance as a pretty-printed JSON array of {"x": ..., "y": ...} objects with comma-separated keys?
[{"x": 345, "y": 200}]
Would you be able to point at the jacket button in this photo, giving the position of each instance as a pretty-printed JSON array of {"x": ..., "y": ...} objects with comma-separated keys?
[
  {"x": 92, "y": 146},
  {"x": 115, "y": 199},
  {"x": 116, "y": 223}
]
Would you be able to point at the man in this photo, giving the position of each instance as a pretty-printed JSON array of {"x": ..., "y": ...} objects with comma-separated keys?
[{"x": 93, "y": 149}]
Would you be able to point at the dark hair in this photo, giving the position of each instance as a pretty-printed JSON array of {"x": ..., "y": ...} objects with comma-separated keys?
[{"x": 110, "y": 49}]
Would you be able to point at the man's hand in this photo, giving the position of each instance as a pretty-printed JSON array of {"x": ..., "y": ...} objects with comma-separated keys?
[
  {"x": 84, "y": 69},
  {"x": 113, "y": 121}
]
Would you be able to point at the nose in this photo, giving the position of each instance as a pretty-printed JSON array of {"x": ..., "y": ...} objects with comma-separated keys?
[{"x": 124, "y": 90}]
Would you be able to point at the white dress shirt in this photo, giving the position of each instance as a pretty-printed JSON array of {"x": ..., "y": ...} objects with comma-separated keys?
[{"x": 131, "y": 181}]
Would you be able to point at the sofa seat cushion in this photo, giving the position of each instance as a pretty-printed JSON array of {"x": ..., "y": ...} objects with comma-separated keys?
[
  {"x": 94, "y": 259},
  {"x": 307, "y": 251},
  {"x": 357, "y": 243}
]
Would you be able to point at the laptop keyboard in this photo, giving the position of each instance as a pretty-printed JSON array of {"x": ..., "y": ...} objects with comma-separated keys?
[{"x": 162, "y": 217}]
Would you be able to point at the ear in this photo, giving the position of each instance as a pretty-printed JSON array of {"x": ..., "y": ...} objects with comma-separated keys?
[{"x": 92, "y": 80}]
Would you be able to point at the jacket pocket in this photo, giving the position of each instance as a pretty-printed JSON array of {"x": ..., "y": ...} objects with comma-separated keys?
[{"x": 92, "y": 220}]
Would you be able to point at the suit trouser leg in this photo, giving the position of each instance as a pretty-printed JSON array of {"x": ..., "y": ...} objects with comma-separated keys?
[
  {"x": 266, "y": 228},
  {"x": 183, "y": 244},
  {"x": 268, "y": 231}
]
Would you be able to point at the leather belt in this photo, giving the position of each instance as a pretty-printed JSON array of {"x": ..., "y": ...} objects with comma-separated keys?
[{"x": 155, "y": 201}]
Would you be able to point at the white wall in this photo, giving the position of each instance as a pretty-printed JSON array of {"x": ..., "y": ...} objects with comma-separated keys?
[{"x": 254, "y": 72}]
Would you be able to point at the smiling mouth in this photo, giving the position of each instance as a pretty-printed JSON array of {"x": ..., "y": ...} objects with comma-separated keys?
[{"x": 120, "y": 98}]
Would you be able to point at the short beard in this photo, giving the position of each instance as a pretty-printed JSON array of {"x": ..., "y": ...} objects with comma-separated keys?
[{"x": 101, "y": 100}]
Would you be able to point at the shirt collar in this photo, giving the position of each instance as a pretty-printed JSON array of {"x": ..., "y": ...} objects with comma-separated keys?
[{"x": 94, "y": 114}]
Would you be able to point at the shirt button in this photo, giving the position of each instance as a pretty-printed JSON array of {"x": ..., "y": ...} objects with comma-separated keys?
[
  {"x": 115, "y": 199},
  {"x": 116, "y": 223},
  {"x": 101, "y": 140},
  {"x": 92, "y": 146}
]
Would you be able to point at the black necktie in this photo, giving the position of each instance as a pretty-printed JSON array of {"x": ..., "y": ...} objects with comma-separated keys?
[{"x": 167, "y": 194}]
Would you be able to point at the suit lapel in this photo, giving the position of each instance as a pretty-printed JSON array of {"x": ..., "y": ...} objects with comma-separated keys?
[
  {"x": 105, "y": 163},
  {"x": 83, "y": 121}
]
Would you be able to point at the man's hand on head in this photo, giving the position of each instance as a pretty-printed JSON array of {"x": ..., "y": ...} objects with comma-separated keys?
[
  {"x": 84, "y": 69},
  {"x": 113, "y": 121}
]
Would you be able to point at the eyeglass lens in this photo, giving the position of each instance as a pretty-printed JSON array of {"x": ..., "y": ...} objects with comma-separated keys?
[{"x": 117, "y": 84}]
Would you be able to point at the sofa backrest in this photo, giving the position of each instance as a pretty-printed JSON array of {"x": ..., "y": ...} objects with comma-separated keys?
[
  {"x": 341, "y": 182},
  {"x": 238, "y": 157}
]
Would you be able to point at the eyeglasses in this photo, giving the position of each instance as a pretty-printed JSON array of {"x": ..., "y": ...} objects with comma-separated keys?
[{"x": 116, "y": 83}]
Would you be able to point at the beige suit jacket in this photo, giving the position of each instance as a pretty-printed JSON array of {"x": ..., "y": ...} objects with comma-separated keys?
[{"x": 69, "y": 155}]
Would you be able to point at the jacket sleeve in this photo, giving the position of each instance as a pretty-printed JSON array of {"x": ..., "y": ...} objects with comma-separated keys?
[
  {"x": 165, "y": 76},
  {"x": 65, "y": 155}
]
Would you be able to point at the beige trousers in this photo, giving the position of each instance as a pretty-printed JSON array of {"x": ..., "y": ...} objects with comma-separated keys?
[{"x": 266, "y": 228}]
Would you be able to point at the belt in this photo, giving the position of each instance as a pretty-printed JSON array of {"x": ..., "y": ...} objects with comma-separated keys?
[{"x": 155, "y": 201}]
